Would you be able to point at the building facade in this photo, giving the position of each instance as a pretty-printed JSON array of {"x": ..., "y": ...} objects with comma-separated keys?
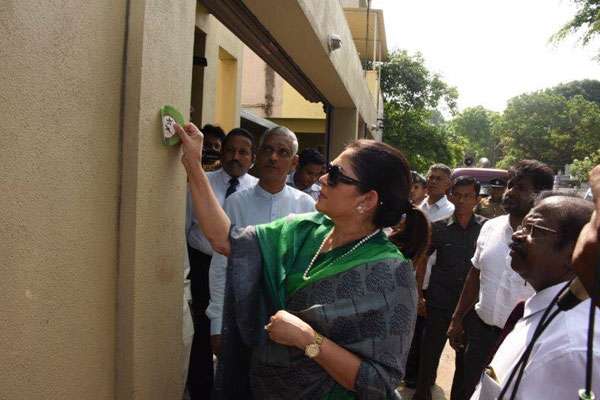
[{"x": 92, "y": 210}]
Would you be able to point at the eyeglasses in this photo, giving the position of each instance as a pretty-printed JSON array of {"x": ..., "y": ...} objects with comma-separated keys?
[
  {"x": 335, "y": 176},
  {"x": 529, "y": 228}
]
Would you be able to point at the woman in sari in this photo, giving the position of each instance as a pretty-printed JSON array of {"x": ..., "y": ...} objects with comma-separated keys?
[{"x": 319, "y": 305}]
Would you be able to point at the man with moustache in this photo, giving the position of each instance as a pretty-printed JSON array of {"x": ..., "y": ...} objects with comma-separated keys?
[
  {"x": 491, "y": 285},
  {"x": 541, "y": 253},
  {"x": 269, "y": 199},
  {"x": 454, "y": 241},
  {"x": 436, "y": 207},
  {"x": 237, "y": 156}
]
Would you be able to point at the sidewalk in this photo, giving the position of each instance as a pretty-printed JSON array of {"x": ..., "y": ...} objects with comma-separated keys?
[{"x": 441, "y": 390}]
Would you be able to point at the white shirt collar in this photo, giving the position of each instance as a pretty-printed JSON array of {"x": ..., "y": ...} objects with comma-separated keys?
[
  {"x": 541, "y": 300},
  {"x": 312, "y": 188},
  {"x": 264, "y": 194},
  {"x": 225, "y": 177},
  {"x": 438, "y": 204}
]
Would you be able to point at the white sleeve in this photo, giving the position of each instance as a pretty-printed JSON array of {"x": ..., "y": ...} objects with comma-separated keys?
[
  {"x": 216, "y": 277},
  {"x": 480, "y": 243}
]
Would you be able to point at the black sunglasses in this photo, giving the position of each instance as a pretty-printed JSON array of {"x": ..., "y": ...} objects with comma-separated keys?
[{"x": 335, "y": 176}]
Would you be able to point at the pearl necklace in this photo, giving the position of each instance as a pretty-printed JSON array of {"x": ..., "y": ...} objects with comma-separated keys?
[{"x": 356, "y": 246}]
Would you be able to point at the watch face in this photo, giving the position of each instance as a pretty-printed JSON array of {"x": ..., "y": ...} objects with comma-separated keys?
[{"x": 312, "y": 350}]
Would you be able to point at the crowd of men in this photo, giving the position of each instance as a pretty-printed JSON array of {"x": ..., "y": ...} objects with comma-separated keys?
[{"x": 487, "y": 256}]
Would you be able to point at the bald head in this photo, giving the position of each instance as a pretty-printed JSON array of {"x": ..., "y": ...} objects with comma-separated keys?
[{"x": 571, "y": 213}]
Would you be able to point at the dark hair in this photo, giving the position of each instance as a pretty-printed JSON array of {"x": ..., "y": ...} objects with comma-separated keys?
[
  {"x": 572, "y": 214},
  {"x": 539, "y": 173},
  {"x": 240, "y": 132},
  {"x": 417, "y": 178},
  {"x": 440, "y": 167},
  {"x": 310, "y": 156},
  {"x": 466, "y": 181},
  {"x": 409, "y": 239},
  {"x": 384, "y": 169},
  {"x": 213, "y": 130}
]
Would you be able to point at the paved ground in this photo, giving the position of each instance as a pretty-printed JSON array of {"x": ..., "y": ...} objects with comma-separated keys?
[{"x": 441, "y": 390}]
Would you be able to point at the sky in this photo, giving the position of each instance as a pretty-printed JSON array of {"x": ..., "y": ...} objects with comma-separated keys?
[{"x": 490, "y": 50}]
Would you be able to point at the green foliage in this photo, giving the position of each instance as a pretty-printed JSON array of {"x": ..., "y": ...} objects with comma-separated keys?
[
  {"x": 586, "y": 19},
  {"x": 549, "y": 127},
  {"x": 580, "y": 169},
  {"x": 413, "y": 122},
  {"x": 588, "y": 88},
  {"x": 481, "y": 129}
]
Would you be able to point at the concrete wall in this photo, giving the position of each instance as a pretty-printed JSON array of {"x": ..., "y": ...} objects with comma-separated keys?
[
  {"x": 93, "y": 204},
  {"x": 61, "y": 76},
  {"x": 152, "y": 205}
]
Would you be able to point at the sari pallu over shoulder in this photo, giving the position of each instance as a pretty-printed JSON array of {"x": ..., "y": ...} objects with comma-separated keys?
[{"x": 369, "y": 309}]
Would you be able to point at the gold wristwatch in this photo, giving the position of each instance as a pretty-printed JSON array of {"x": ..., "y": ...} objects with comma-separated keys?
[{"x": 312, "y": 350}]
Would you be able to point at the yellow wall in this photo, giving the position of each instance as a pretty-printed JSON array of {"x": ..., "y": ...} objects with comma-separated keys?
[
  {"x": 61, "y": 77},
  {"x": 225, "y": 94},
  {"x": 295, "y": 106},
  {"x": 373, "y": 84}
]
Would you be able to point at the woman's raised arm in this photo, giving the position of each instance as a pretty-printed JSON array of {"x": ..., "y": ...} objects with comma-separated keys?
[{"x": 209, "y": 213}]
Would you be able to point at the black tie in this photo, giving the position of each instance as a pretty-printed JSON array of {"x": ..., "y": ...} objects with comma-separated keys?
[{"x": 233, "y": 183}]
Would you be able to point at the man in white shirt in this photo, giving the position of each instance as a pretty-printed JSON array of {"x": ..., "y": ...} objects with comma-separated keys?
[
  {"x": 541, "y": 254},
  {"x": 264, "y": 202},
  {"x": 237, "y": 156},
  {"x": 436, "y": 207},
  {"x": 491, "y": 285}
]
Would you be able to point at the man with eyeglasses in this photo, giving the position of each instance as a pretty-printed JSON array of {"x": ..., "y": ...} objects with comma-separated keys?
[
  {"x": 453, "y": 239},
  {"x": 436, "y": 207},
  {"x": 541, "y": 253},
  {"x": 236, "y": 158},
  {"x": 269, "y": 199},
  {"x": 492, "y": 287}
]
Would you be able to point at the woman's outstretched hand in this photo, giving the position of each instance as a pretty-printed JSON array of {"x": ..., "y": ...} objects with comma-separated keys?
[
  {"x": 192, "y": 141},
  {"x": 289, "y": 330}
]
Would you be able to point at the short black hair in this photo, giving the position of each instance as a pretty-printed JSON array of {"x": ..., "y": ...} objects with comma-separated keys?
[
  {"x": 572, "y": 213},
  {"x": 418, "y": 178},
  {"x": 540, "y": 174},
  {"x": 213, "y": 130},
  {"x": 310, "y": 156},
  {"x": 466, "y": 180},
  {"x": 440, "y": 167},
  {"x": 240, "y": 132}
]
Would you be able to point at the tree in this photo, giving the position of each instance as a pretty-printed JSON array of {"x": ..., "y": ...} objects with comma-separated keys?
[
  {"x": 481, "y": 130},
  {"x": 587, "y": 18},
  {"x": 413, "y": 97},
  {"x": 580, "y": 169},
  {"x": 589, "y": 89},
  {"x": 549, "y": 127}
]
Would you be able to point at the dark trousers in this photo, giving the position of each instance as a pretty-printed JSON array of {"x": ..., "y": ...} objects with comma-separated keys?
[
  {"x": 432, "y": 345},
  {"x": 412, "y": 362},
  {"x": 200, "y": 374},
  {"x": 481, "y": 339}
]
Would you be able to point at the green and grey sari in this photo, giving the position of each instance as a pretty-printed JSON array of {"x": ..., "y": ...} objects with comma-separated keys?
[{"x": 365, "y": 302}]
